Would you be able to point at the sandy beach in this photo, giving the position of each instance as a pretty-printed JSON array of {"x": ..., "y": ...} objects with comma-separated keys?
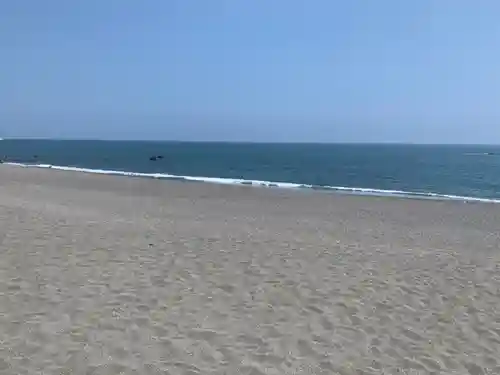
[{"x": 110, "y": 275}]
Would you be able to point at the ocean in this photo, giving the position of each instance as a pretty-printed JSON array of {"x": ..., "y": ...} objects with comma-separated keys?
[{"x": 420, "y": 171}]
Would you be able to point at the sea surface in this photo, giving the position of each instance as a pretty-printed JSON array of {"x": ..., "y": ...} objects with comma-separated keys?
[{"x": 436, "y": 172}]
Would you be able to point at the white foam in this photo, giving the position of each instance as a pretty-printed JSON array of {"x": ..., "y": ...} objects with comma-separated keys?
[
  {"x": 269, "y": 184},
  {"x": 410, "y": 194}
]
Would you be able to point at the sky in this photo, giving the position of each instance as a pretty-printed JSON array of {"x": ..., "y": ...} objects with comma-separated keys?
[{"x": 424, "y": 71}]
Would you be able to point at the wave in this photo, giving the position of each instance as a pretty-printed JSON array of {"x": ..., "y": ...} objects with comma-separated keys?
[
  {"x": 481, "y": 154},
  {"x": 269, "y": 184}
]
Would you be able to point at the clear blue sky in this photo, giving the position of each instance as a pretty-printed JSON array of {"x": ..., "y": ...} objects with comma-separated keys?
[{"x": 257, "y": 70}]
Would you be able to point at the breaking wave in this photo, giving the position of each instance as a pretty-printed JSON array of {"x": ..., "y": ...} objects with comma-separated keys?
[{"x": 269, "y": 184}]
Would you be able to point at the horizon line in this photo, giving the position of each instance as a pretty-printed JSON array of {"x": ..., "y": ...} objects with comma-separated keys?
[{"x": 247, "y": 142}]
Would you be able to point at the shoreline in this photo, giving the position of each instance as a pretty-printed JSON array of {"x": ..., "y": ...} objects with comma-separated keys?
[{"x": 352, "y": 191}]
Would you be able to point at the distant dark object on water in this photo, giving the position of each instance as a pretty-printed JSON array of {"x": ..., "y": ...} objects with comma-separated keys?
[
  {"x": 155, "y": 158},
  {"x": 35, "y": 156}
]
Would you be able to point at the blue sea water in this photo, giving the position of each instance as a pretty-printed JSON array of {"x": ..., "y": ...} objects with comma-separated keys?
[{"x": 447, "y": 172}]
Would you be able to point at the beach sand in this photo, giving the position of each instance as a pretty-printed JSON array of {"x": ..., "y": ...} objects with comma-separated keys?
[{"x": 108, "y": 275}]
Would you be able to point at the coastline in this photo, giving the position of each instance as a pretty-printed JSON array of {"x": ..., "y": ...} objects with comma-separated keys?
[
  {"x": 346, "y": 190},
  {"x": 100, "y": 272}
]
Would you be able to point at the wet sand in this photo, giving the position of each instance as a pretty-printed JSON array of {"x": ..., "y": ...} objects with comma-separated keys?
[{"x": 109, "y": 275}]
